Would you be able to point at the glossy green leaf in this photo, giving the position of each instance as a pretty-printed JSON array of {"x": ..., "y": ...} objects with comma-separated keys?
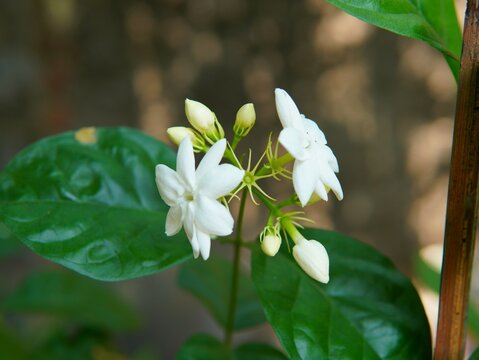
[
  {"x": 432, "y": 21},
  {"x": 74, "y": 297},
  {"x": 93, "y": 208},
  {"x": 206, "y": 347},
  {"x": 210, "y": 282},
  {"x": 203, "y": 347},
  {"x": 368, "y": 310}
]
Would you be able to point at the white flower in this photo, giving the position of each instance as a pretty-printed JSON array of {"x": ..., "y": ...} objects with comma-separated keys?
[
  {"x": 315, "y": 164},
  {"x": 313, "y": 258},
  {"x": 192, "y": 195}
]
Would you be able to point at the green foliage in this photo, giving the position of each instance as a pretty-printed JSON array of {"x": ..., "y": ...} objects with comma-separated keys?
[
  {"x": 206, "y": 347},
  {"x": 210, "y": 282},
  {"x": 73, "y": 297},
  {"x": 8, "y": 243},
  {"x": 432, "y": 21},
  {"x": 10, "y": 346},
  {"x": 474, "y": 355},
  {"x": 369, "y": 310},
  {"x": 93, "y": 208}
]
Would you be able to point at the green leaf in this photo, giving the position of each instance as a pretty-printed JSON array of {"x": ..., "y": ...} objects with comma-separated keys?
[
  {"x": 203, "y": 347},
  {"x": 257, "y": 351},
  {"x": 210, "y": 282},
  {"x": 369, "y": 310},
  {"x": 73, "y": 297},
  {"x": 474, "y": 355},
  {"x": 93, "y": 208},
  {"x": 432, "y": 21}
]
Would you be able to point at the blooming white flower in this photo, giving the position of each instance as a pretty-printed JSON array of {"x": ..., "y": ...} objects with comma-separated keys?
[
  {"x": 313, "y": 258},
  {"x": 315, "y": 164},
  {"x": 192, "y": 195}
]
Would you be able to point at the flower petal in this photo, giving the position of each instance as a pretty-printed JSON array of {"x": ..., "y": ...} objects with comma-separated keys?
[
  {"x": 174, "y": 220},
  {"x": 321, "y": 190},
  {"x": 305, "y": 177},
  {"x": 211, "y": 159},
  {"x": 204, "y": 242},
  {"x": 212, "y": 217},
  {"x": 295, "y": 142},
  {"x": 328, "y": 178},
  {"x": 314, "y": 133},
  {"x": 287, "y": 110},
  {"x": 220, "y": 181},
  {"x": 189, "y": 226},
  {"x": 329, "y": 155},
  {"x": 185, "y": 163},
  {"x": 169, "y": 185}
]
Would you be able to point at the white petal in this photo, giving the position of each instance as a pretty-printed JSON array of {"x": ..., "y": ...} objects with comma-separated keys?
[
  {"x": 211, "y": 159},
  {"x": 185, "y": 163},
  {"x": 329, "y": 155},
  {"x": 305, "y": 177},
  {"x": 189, "y": 226},
  {"x": 204, "y": 242},
  {"x": 295, "y": 142},
  {"x": 169, "y": 185},
  {"x": 320, "y": 189},
  {"x": 212, "y": 217},
  {"x": 313, "y": 258},
  {"x": 328, "y": 177},
  {"x": 315, "y": 135},
  {"x": 287, "y": 110},
  {"x": 220, "y": 181},
  {"x": 174, "y": 219}
]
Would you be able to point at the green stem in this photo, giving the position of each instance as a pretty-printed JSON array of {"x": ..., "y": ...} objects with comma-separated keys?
[
  {"x": 276, "y": 163},
  {"x": 235, "y": 274}
]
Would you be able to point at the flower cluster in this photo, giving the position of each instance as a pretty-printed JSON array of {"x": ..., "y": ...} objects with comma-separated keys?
[{"x": 198, "y": 198}]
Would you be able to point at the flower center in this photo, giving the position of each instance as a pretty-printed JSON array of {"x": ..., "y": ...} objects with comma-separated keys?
[
  {"x": 189, "y": 196},
  {"x": 248, "y": 178}
]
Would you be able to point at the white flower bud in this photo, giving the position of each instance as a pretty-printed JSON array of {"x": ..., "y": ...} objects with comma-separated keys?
[
  {"x": 245, "y": 119},
  {"x": 313, "y": 258},
  {"x": 270, "y": 244},
  {"x": 199, "y": 116},
  {"x": 178, "y": 133}
]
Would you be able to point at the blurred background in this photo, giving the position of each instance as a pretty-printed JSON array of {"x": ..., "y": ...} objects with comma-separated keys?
[{"x": 385, "y": 103}]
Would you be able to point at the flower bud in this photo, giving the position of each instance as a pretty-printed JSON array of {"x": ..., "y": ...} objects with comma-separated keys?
[
  {"x": 178, "y": 133},
  {"x": 245, "y": 119},
  {"x": 313, "y": 258},
  {"x": 199, "y": 116},
  {"x": 270, "y": 244}
]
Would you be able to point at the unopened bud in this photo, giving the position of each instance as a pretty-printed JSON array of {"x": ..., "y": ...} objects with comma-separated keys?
[
  {"x": 178, "y": 133},
  {"x": 271, "y": 244},
  {"x": 245, "y": 119},
  {"x": 199, "y": 116},
  {"x": 313, "y": 258}
]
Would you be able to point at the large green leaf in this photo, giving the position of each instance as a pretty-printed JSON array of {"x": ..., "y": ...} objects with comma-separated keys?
[
  {"x": 93, "y": 208},
  {"x": 369, "y": 310},
  {"x": 73, "y": 297},
  {"x": 206, "y": 347},
  {"x": 432, "y": 21},
  {"x": 210, "y": 282}
]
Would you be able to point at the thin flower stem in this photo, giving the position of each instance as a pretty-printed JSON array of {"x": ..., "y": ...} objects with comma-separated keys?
[{"x": 235, "y": 274}]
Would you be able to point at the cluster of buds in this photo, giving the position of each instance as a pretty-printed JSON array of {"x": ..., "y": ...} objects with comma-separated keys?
[{"x": 194, "y": 195}]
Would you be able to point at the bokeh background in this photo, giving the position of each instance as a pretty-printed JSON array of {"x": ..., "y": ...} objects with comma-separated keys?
[{"x": 386, "y": 104}]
